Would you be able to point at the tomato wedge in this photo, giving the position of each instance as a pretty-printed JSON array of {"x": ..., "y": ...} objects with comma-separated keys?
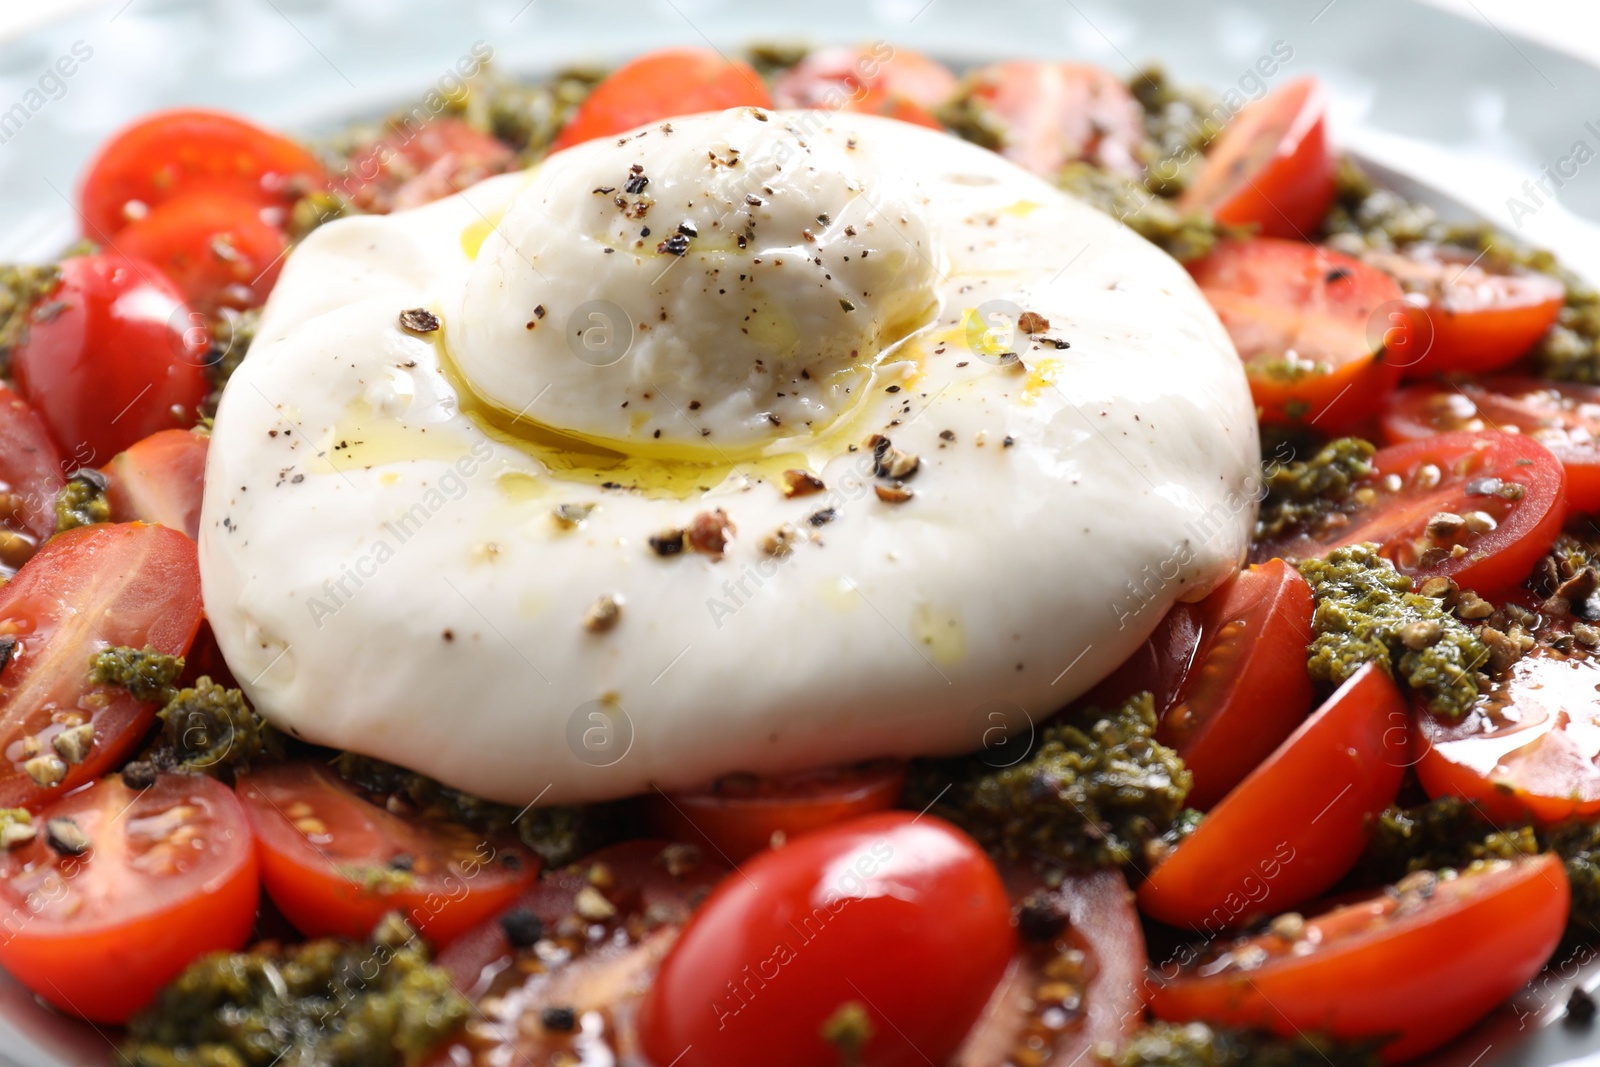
[
  {"x": 86, "y": 590},
  {"x": 1302, "y": 318},
  {"x": 30, "y": 476},
  {"x": 215, "y": 246},
  {"x": 1298, "y": 823},
  {"x": 1052, "y": 114},
  {"x": 1562, "y": 416},
  {"x": 661, "y": 85},
  {"x": 901, "y": 916},
  {"x": 165, "y": 875},
  {"x": 407, "y": 168},
  {"x": 1476, "y": 318},
  {"x": 334, "y": 862},
  {"x": 160, "y": 479},
  {"x": 876, "y": 80},
  {"x": 1415, "y": 967},
  {"x": 1508, "y": 490},
  {"x": 1528, "y": 748},
  {"x": 1271, "y": 167},
  {"x": 739, "y": 815},
  {"x": 172, "y": 154}
]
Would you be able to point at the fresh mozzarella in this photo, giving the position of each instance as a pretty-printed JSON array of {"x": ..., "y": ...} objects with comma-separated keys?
[{"x": 436, "y": 547}]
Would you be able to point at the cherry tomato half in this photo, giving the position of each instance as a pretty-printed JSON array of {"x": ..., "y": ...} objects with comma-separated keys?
[
  {"x": 168, "y": 874},
  {"x": 875, "y": 79},
  {"x": 661, "y": 85},
  {"x": 215, "y": 246},
  {"x": 86, "y": 590},
  {"x": 1271, "y": 167},
  {"x": 30, "y": 476},
  {"x": 408, "y": 167},
  {"x": 900, "y": 915},
  {"x": 1477, "y": 318},
  {"x": 1298, "y": 823},
  {"x": 172, "y": 154},
  {"x": 1414, "y": 968},
  {"x": 109, "y": 357},
  {"x": 1528, "y": 747},
  {"x": 1508, "y": 490},
  {"x": 334, "y": 862},
  {"x": 738, "y": 815},
  {"x": 1562, "y": 416},
  {"x": 1302, "y": 318},
  {"x": 1052, "y": 114},
  {"x": 160, "y": 480}
]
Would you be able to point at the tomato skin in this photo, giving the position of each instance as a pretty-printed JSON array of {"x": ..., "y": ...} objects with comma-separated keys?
[
  {"x": 738, "y": 816},
  {"x": 924, "y": 951},
  {"x": 1052, "y": 114},
  {"x": 30, "y": 469},
  {"x": 216, "y": 247},
  {"x": 88, "y": 589},
  {"x": 314, "y": 875},
  {"x": 103, "y": 944},
  {"x": 160, "y": 480},
  {"x": 1471, "y": 318},
  {"x": 875, "y": 80},
  {"x": 1426, "y": 976},
  {"x": 112, "y": 359},
  {"x": 660, "y": 85},
  {"x": 1562, "y": 416},
  {"x": 1271, "y": 167},
  {"x": 1299, "y": 822},
  {"x": 407, "y": 168},
  {"x": 171, "y": 154},
  {"x": 1276, "y": 296}
]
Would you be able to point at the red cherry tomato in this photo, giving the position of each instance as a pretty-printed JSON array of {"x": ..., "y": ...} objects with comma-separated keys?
[
  {"x": 900, "y": 915},
  {"x": 1271, "y": 167},
  {"x": 334, "y": 862},
  {"x": 172, "y": 154},
  {"x": 1513, "y": 483},
  {"x": 1528, "y": 748},
  {"x": 30, "y": 476},
  {"x": 408, "y": 167},
  {"x": 1562, "y": 416},
  {"x": 1052, "y": 114},
  {"x": 875, "y": 79},
  {"x": 169, "y": 875},
  {"x": 1298, "y": 823},
  {"x": 1302, "y": 318},
  {"x": 1473, "y": 318},
  {"x": 1412, "y": 969},
  {"x": 661, "y": 85},
  {"x": 215, "y": 246},
  {"x": 109, "y": 357},
  {"x": 160, "y": 480},
  {"x": 737, "y": 816},
  {"x": 87, "y": 589}
]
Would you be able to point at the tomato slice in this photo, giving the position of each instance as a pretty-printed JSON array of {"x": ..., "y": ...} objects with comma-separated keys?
[
  {"x": 334, "y": 862},
  {"x": 739, "y": 815},
  {"x": 30, "y": 476},
  {"x": 160, "y": 480},
  {"x": 1271, "y": 167},
  {"x": 215, "y": 246},
  {"x": 874, "y": 79},
  {"x": 1052, "y": 114},
  {"x": 1298, "y": 823},
  {"x": 1302, "y": 320},
  {"x": 1415, "y": 967},
  {"x": 661, "y": 85},
  {"x": 407, "y": 168},
  {"x": 171, "y": 154},
  {"x": 88, "y": 589},
  {"x": 1476, "y": 318},
  {"x": 110, "y": 357},
  {"x": 168, "y": 874},
  {"x": 1511, "y": 489},
  {"x": 1529, "y": 746},
  {"x": 1562, "y": 416},
  {"x": 900, "y": 915}
]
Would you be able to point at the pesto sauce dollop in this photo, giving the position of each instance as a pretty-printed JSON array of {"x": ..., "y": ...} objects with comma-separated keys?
[
  {"x": 1300, "y": 492},
  {"x": 1199, "y": 1045}
]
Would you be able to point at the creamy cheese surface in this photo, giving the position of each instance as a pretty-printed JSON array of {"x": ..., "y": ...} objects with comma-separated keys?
[{"x": 744, "y": 466}]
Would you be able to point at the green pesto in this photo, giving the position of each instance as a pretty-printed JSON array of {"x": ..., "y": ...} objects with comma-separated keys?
[
  {"x": 21, "y": 286},
  {"x": 326, "y": 1003},
  {"x": 772, "y": 58},
  {"x": 1198, "y": 1045},
  {"x": 82, "y": 502},
  {"x": 1301, "y": 491},
  {"x": 1180, "y": 123},
  {"x": 210, "y": 729},
  {"x": 1097, "y": 791},
  {"x": 376, "y": 879},
  {"x": 147, "y": 674},
  {"x": 1577, "y": 842},
  {"x": 966, "y": 116},
  {"x": 1182, "y": 235},
  {"x": 526, "y": 115},
  {"x": 1363, "y": 605}
]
